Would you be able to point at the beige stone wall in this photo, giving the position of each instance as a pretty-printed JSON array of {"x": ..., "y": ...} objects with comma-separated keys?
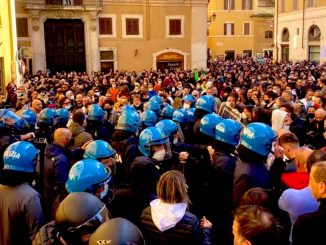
[
  {"x": 298, "y": 29},
  {"x": 129, "y": 53},
  {"x": 255, "y": 41}
]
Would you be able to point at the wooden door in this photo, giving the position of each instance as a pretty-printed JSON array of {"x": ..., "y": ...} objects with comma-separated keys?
[{"x": 64, "y": 45}]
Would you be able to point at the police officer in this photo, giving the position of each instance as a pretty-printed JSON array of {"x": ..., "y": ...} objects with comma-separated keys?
[
  {"x": 255, "y": 144},
  {"x": 204, "y": 105},
  {"x": 12, "y": 128},
  {"x": 154, "y": 145},
  {"x": 148, "y": 118},
  {"x": 125, "y": 140},
  {"x": 20, "y": 205},
  {"x": 62, "y": 118},
  {"x": 167, "y": 111},
  {"x": 220, "y": 179},
  {"x": 89, "y": 175},
  {"x": 97, "y": 125},
  {"x": 76, "y": 218}
]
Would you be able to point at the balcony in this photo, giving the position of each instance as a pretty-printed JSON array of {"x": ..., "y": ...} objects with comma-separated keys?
[{"x": 62, "y": 4}]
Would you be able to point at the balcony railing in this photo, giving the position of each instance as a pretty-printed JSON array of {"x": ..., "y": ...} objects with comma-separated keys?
[{"x": 62, "y": 4}]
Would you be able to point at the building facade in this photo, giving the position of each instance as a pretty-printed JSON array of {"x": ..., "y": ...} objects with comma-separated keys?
[
  {"x": 8, "y": 44},
  {"x": 240, "y": 28},
  {"x": 95, "y": 35},
  {"x": 300, "y": 27}
]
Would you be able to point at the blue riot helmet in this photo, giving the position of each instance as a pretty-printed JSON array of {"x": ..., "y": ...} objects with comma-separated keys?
[
  {"x": 154, "y": 106},
  {"x": 128, "y": 108},
  {"x": 181, "y": 116},
  {"x": 47, "y": 117},
  {"x": 20, "y": 156},
  {"x": 63, "y": 117},
  {"x": 158, "y": 99},
  {"x": 154, "y": 143},
  {"x": 129, "y": 121},
  {"x": 30, "y": 116},
  {"x": 95, "y": 113},
  {"x": 89, "y": 175},
  {"x": 22, "y": 126},
  {"x": 191, "y": 114},
  {"x": 188, "y": 101},
  {"x": 9, "y": 117},
  {"x": 117, "y": 231},
  {"x": 98, "y": 149},
  {"x": 103, "y": 152},
  {"x": 171, "y": 129},
  {"x": 258, "y": 137},
  {"x": 228, "y": 131},
  {"x": 208, "y": 124},
  {"x": 167, "y": 111},
  {"x": 206, "y": 103},
  {"x": 148, "y": 118},
  {"x": 80, "y": 213}
]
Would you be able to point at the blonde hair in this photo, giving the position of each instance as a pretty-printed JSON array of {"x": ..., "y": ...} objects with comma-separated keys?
[{"x": 172, "y": 188}]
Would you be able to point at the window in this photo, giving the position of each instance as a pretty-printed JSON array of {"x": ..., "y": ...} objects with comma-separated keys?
[
  {"x": 174, "y": 27},
  {"x": 132, "y": 26},
  {"x": 246, "y": 28},
  {"x": 247, "y": 53},
  {"x": 310, "y": 3},
  {"x": 228, "y": 29},
  {"x": 285, "y": 35},
  {"x": 105, "y": 26},
  {"x": 314, "y": 33},
  {"x": 247, "y": 4},
  {"x": 107, "y": 60},
  {"x": 282, "y": 6},
  {"x": 22, "y": 27},
  {"x": 229, "y": 4},
  {"x": 314, "y": 53},
  {"x": 295, "y": 5},
  {"x": 268, "y": 34},
  {"x": 266, "y": 3}
]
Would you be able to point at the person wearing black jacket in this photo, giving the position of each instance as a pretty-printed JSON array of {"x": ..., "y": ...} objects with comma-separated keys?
[{"x": 166, "y": 220}]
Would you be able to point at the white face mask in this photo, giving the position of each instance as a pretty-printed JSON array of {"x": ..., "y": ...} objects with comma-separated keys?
[
  {"x": 67, "y": 107},
  {"x": 286, "y": 127},
  {"x": 186, "y": 106},
  {"x": 104, "y": 192},
  {"x": 159, "y": 155}
]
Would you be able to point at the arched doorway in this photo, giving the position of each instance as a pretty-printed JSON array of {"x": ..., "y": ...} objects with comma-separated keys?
[
  {"x": 285, "y": 51},
  {"x": 314, "y": 43},
  {"x": 170, "y": 60}
]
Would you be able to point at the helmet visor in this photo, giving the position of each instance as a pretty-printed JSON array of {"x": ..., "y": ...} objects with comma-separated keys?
[
  {"x": 178, "y": 136},
  {"x": 93, "y": 223}
]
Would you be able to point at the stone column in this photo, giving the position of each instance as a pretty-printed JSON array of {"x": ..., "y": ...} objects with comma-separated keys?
[
  {"x": 199, "y": 36},
  {"x": 37, "y": 41},
  {"x": 93, "y": 56}
]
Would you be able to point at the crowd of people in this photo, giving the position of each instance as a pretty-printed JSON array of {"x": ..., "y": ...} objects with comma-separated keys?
[{"x": 234, "y": 154}]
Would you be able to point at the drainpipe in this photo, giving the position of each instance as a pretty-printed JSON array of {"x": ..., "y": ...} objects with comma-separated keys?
[
  {"x": 276, "y": 31},
  {"x": 303, "y": 22}
]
